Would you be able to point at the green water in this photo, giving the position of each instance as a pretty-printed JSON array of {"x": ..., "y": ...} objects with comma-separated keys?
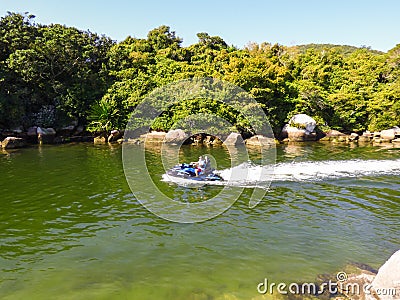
[{"x": 71, "y": 229}]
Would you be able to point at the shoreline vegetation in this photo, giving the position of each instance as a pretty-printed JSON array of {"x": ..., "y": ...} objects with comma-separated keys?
[{"x": 61, "y": 84}]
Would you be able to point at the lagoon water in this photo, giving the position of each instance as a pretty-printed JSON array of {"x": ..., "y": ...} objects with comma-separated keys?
[{"x": 70, "y": 227}]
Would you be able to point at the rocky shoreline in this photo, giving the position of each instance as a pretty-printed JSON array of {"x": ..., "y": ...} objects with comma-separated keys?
[
  {"x": 300, "y": 128},
  {"x": 361, "y": 282}
]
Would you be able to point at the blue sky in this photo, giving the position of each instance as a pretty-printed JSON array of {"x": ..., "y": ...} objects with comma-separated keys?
[{"x": 352, "y": 22}]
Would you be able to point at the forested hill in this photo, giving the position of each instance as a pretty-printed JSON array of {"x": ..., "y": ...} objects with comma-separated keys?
[
  {"x": 51, "y": 75},
  {"x": 343, "y": 49}
]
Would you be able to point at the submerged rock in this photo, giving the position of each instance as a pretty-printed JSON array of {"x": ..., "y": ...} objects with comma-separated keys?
[{"x": 13, "y": 143}]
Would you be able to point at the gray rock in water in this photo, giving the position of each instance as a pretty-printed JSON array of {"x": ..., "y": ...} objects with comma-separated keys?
[
  {"x": 300, "y": 135},
  {"x": 233, "y": 139},
  {"x": 175, "y": 136},
  {"x": 300, "y": 128},
  {"x": 386, "y": 285},
  {"x": 13, "y": 143}
]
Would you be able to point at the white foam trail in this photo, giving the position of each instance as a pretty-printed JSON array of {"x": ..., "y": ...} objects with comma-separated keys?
[
  {"x": 249, "y": 175},
  {"x": 307, "y": 171}
]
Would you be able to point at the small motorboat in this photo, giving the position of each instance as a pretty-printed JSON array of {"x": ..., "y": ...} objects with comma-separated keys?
[{"x": 200, "y": 171}]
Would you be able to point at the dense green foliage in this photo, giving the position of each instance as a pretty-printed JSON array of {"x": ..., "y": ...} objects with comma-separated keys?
[{"x": 52, "y": 74}]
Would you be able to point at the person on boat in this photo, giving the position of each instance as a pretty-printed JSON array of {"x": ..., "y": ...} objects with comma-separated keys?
[{"x": 203, "y": 165}]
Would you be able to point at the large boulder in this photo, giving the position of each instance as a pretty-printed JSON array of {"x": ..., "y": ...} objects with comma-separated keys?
[
  {"x": 303, "y": 121},
  {"x": 233, "y": 139},
  {"x": 46, "y": 135},
  {"x": 13, "y": 143},
  {"x": 300, "y": 135},
  {"x": 386, "y": 284},
  {"x": 32, "y": 134},
  {"x": 300, "y": 128},
  {"x": 175, "y": 136},
  {"x": 389, "y": 134}
]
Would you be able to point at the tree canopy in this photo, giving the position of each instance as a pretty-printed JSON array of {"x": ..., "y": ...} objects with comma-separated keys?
[{"x": 52, "y": 74}]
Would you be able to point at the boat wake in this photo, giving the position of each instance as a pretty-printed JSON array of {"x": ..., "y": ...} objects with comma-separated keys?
[{"x": 250, "y": 175}]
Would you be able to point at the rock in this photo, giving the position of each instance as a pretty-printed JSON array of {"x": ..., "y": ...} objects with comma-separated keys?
[
  {"x": 364, "y": 139},
  {"x": 260, "y": 140},
  {"x": 67, "y": 130},
  {"x": 176, "y": 136},
  {"x": 59, "y": 140},
  {"x": 300, "y": 128},
  {"x": 368, "y": 134},
  {"x": 300, "y": 135},
  {"x": 376, "y": 134},
  {"x": 284, "y": 131},
  {"x": 233, "y": 139},
  {"x": 32, "y": 131},
  {"x": 13, "y": 143},
  {"x": 46, "y": 135},
  {"x": 353, "y": 137},
  {"x": 18, "y": 130},
  {"x": 325, "y": 139},
  {"x": 99, "y": 140},
  {"x": 396, "y": 140},
  {"x": 31, "y": 135},
  {"x": 87, "y": 139},
  {"x": 303, "y": 121},
  {"x": 334, "y": 133},
  {"x": 79, "y": 129},
  {"x": 114, "y": 136},
  {"x": 380, "y": 141},
  {"x": 352, "y": 287},
  {"x": 154, "y": 137},
  {"x": 386, "y": 285},
  {"x": 388, "y": 134}
]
